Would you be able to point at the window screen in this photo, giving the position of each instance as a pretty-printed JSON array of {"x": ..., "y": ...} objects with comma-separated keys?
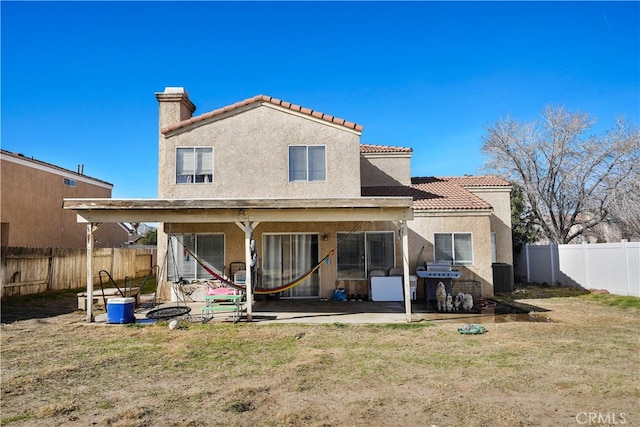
[{"x": 307, "y": 163}]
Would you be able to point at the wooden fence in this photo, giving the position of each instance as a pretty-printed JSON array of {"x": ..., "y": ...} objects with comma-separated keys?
[
  {"x": 32, "y": 270},
  {"x": 611, "y": 266}
]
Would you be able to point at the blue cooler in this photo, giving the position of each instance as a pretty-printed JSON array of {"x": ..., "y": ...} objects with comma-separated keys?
[{"x": 120, "y": 310}]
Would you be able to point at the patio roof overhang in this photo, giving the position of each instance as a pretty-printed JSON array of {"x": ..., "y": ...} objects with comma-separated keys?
[
  {"x": 241, "y": 210},
  {"x": 245, "y": 213}
]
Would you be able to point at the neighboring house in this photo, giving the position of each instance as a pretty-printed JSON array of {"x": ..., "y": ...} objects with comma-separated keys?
[
  {"x": 32, "y": 192},
  {"x": 300, "y": 184}
]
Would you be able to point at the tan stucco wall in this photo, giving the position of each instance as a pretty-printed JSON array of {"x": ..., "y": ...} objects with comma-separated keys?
[
  {"x": 421, "y": 231},
  {"x": 251, "y": 157},
  {"x": 390, "y": 169},
  {"x": 421, "y": 234},
  {"x": 32, "y": 214},
  {"x": 109, "y": 235},
  {"x": 500, "y": 199},
  {"x": 234, "y": 245}
]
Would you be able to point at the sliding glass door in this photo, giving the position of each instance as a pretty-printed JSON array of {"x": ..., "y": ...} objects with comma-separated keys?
[{"x": 285, "y": 257}]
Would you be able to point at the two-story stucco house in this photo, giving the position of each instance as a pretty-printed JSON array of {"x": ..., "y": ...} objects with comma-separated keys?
[
  {"x": 31, "y": 194},
  {"x": 268, "y": 183}
]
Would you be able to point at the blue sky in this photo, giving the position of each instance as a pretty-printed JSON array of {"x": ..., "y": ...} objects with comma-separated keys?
[{"x": 79, "y": 78}]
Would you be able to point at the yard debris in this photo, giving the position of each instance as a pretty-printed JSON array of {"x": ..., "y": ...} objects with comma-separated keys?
[{"x": 472, "y": 329}]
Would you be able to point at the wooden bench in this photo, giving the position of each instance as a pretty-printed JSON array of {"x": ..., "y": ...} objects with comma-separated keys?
[{"x": 108, "y": 294}]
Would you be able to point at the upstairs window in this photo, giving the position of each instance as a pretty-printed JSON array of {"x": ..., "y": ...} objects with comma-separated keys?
[
  {"x": 453, "y": 248},
  {"x": 70, "y": 182},
  {"x": 307, "y": 163},
  {"x": 194, "y": 165}
]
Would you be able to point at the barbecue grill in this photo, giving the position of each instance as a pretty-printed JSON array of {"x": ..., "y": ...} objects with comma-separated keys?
[
  {"x": 432, "y": 275},
  {"x": 438, "y": 271}
]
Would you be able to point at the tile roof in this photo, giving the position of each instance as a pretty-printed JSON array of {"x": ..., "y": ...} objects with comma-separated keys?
[
  {"x": 260, "y": 99},
  {"x": 431, "y": 193},
  {"x": 474, "y": 181},
  {"x": 370, "y": 148}
]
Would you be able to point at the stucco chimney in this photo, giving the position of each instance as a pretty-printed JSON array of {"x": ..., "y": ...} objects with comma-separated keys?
[{"x": 174, "y": 106}]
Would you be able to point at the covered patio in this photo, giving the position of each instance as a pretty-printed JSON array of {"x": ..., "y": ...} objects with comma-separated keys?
[
  {"x": 247, "y": 215},
  {"x": 303, "y": 311},
  {"x": 315, "y": 311}
]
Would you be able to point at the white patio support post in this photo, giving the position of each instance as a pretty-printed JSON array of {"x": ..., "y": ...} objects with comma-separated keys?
[
  {"x": 91, "y": 228},
  {"x": 405, "y": 269},
  {"x": 249, "y": 280},
  {"x": 248, "y": 227}
]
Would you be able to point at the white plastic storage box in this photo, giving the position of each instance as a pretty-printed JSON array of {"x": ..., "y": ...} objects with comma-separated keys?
[
  {"x": 120, "y": 310},
  {"x": 386, "y": 288}
]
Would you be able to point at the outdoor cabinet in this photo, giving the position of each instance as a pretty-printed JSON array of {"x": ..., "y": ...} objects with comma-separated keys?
[{"x": 502, "y": 278}]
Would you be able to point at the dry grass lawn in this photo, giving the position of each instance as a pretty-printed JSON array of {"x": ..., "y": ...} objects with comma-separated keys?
[{"x": 585, "y": 360}]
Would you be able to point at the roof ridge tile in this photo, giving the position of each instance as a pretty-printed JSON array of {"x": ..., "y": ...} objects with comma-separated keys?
[
  {"x": 375, "y": 148},
  {"x": 265, "y": 98}
]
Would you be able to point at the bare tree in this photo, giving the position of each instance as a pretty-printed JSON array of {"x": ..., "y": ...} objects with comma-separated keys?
[{"x": 572, "y": 181}]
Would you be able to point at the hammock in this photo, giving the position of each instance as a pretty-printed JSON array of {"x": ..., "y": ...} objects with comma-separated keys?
[{"x": 260, "y": 291}]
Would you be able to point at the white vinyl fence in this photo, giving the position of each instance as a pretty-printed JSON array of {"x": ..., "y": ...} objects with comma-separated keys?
[{"x": 611, "y": 266}]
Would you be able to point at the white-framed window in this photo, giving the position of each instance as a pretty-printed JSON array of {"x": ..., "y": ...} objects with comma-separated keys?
[
  {"x": 69, "y": 182},
  {"x": 307, "y": 163},
  {"x": 194, "y": 165},
  {"x": 453, "y": 248},
  {"x": 359, "y": 253},
  {"x": 207, "y": 247}
]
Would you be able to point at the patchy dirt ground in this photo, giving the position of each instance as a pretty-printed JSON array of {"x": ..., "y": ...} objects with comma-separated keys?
[
  {"x": 37, "y": 307},
  {"x": 580, "y": 365}
]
